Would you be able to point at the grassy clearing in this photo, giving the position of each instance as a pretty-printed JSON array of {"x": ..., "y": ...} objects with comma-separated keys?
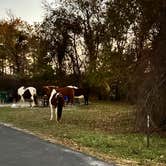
[{"x": 102, "y": 129}]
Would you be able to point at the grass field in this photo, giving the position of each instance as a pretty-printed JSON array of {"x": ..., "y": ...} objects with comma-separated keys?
[{"x": 105, "y": 130}]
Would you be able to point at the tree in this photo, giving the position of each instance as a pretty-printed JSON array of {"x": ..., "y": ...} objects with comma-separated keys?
[
  {"x": 154, "y": 96},
  {"x": 91, "y": 16},
  {"x": 14, "y": 45},
  {"x": 144, "y": 52},
  {"x": 60, "y": 28}
]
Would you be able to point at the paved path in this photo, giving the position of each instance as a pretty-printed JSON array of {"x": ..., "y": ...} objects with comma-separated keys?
[{"x": 21, "y": 149}]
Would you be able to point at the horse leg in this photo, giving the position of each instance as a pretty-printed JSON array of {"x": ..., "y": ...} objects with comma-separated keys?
[
  {"x": 72, "y": 99},
  {"x": 68, "y": 100},
  {"x": 86, "y": 100},
  {"x": 22, "y": 99},
  {"x": 56, "y": 113},
  {"x": 51, "y": 107},
  {"x": 32, "y": 104}
]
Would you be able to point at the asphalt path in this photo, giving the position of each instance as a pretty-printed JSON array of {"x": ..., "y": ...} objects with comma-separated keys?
[{"x": 18, "y": 148}]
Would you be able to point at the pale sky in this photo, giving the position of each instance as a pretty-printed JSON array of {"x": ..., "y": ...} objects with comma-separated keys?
[{"x": 28, "y": 10}]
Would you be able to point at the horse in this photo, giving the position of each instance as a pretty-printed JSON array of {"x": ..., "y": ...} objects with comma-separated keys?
[
  {"x": 46, "y": 92},
  {"x": 56, "y": 100},
  {"x": 79, "y": 92},
  {"x": 28, "y": 93},
  {"x": 65, "y": 91}
]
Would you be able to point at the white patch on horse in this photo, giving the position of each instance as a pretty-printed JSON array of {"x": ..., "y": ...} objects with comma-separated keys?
[
  {"x": 79, "y": 97},
  {"x": 57, "y": 95},
  {"x": 52, "y": 94},
  {"x": 51, "y": 106},
  {"x": 32, "y": 90},
  {"x": 74, "y": 87}
]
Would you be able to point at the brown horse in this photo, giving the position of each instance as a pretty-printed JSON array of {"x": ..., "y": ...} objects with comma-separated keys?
[
  {"x": 56, "y": 100},
  {"x": 69, "y": 92},
  {"x": 65, "y": 91}
]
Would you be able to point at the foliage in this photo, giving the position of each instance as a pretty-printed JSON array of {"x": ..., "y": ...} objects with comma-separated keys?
[{"x": 14, "y": 38}]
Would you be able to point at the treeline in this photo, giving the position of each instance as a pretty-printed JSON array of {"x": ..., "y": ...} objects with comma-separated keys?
[{"x": 103, "y": 44}]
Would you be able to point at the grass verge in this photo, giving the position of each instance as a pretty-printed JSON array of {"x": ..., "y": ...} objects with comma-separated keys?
[{"x": 105, "y": 130}]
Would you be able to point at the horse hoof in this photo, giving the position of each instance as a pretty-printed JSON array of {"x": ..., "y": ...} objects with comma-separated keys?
[{"x": 58, "y": 122}]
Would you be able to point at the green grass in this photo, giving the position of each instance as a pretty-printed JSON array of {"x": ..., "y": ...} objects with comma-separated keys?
[{"x": 102, "y": 129}]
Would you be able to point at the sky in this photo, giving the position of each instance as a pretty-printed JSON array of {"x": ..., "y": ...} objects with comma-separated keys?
[{"x": 28, "y": 10}]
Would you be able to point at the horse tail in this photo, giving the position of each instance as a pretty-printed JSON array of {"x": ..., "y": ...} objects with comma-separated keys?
[
  {"x": 60, "y": 104},
  {"x": 59, "y": 112}
]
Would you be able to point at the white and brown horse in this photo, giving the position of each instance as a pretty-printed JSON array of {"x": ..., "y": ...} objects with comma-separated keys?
[
  {"x": 56, "y": 101},
  {"x": 27, "y": 94}
]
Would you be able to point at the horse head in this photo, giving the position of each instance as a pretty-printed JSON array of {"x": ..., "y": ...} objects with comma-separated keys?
[
  {"x": 21, "y": 90},
  {"x": 48, "y": 89}
]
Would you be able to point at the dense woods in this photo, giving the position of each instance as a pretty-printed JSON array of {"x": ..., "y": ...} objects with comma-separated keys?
[{"x": 117, "y": 48}]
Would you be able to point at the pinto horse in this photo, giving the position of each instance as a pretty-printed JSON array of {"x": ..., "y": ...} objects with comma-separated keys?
[
  {"x": 78, "y": 92},
  {"x": 28, "y": 93},
  {"x": 46, "y": 90},
  {"x": 56, "y": 100},
  {"x": 65, "y": 91}
]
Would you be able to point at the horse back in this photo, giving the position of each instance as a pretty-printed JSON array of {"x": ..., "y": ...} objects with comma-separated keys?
[
  {"x": 66, "y": 91},
  {"x": 27, "y": 94}
]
